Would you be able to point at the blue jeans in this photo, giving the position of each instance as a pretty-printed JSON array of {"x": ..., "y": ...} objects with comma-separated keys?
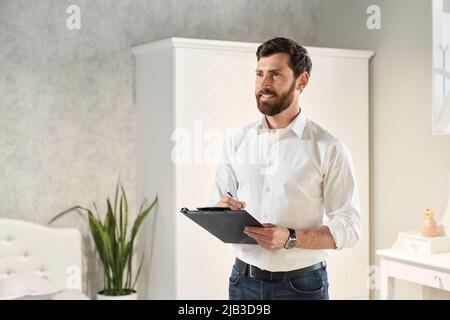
[{"x": 311, "y": 285}]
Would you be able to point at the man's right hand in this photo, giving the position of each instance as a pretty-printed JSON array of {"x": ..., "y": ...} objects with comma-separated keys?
[{"x": 231, "y": 203}]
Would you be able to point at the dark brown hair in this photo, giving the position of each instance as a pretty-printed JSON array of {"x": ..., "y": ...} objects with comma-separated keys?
[{"x": 299, "y": 62}]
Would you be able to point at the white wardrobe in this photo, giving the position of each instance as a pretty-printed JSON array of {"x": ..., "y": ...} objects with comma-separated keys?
[{"x": 190, "y": 94}]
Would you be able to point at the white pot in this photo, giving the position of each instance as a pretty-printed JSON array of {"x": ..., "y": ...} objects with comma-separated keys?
[{"x": 131, "y": 296}]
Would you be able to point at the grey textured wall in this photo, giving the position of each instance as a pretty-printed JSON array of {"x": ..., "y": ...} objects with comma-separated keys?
[{"x": 67, "y": 113}]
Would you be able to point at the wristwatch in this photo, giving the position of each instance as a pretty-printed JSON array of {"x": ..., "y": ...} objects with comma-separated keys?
[{"x": 292, "y": 241}]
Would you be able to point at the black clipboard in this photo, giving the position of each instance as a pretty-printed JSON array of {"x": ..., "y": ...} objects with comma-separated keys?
[{"x": 225, "y": 224}]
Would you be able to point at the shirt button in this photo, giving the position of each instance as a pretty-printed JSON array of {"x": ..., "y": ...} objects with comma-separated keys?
[{"x": 267, "y": 189}]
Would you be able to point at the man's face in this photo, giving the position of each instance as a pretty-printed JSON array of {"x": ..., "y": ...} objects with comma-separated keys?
[{"x": 275, "y": 84}]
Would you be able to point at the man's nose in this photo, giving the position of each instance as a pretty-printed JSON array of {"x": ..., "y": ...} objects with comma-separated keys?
[{"x": 266, "y": 82}]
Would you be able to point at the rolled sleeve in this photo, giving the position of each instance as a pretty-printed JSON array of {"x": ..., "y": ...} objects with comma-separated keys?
[{"x": 341, "y": 198}]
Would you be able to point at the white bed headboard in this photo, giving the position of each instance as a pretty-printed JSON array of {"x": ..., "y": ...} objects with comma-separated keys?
[{"x": 53, "y": 253}]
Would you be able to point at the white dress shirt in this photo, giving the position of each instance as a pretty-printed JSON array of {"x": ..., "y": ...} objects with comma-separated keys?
[{"x": 298, "y": 177}]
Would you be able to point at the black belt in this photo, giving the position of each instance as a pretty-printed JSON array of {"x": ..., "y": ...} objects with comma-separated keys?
[{"x": 255, "y": 272}]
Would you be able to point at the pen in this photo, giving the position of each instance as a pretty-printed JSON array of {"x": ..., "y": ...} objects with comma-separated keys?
[{"x": 230, "y": 195}]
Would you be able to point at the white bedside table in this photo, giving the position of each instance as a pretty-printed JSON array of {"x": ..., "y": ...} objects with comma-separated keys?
[{"x": 429, "y": 270}]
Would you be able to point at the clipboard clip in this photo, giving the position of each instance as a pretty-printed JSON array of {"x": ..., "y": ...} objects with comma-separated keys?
[{"x": 186, "y": 210}]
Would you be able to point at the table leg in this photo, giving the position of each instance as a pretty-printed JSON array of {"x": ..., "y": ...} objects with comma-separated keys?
[
  {"x": 425, "y": 293},
  {"x": 386, "y": 283}
]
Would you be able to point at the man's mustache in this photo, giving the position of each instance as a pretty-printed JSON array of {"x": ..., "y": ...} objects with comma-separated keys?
[{"x": 266, "y": 91}]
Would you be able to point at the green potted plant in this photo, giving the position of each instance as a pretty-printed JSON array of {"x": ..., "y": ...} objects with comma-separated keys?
[{"x": 115, "y": 244}]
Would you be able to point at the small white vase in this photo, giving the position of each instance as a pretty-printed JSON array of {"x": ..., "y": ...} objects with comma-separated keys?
[{"x": 131, "y": 296}]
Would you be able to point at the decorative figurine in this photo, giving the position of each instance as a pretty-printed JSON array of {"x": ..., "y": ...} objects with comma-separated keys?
[{"x": 429, "y": 226}]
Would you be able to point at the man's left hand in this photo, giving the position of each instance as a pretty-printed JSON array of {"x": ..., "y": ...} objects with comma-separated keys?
[{"x": 271, "y": 237}]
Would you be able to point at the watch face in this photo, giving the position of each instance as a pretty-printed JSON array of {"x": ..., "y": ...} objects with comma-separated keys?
[{"x": 291, "y": 243}]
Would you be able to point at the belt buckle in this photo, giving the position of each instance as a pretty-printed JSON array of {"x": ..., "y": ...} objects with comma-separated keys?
[{"x": 250, "y": 269}]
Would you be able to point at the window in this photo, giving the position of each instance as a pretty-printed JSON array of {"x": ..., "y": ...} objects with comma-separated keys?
[{"x": 441, "y": 67}]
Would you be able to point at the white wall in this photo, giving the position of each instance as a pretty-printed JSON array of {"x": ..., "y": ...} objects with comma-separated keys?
[{"x": 409, "y": 166}]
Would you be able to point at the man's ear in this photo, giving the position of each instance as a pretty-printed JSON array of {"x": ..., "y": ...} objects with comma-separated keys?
[{"x": 302, "y": 81}]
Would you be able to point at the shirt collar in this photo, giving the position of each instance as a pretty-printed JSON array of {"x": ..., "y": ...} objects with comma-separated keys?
[{"x": 297, "y": 125}]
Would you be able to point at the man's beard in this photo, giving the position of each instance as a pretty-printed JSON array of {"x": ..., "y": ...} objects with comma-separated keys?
[{"x": 276, "y": 104}]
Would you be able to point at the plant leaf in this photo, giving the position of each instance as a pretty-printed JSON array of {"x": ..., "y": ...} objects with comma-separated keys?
[
  {"x": 63, "y": 213},
  {"x": 138, "y": 272},
  {"x": 141, "y": 217},
  {"x": 116, "y": 193},
  {"x": 126, "y": 214}
]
